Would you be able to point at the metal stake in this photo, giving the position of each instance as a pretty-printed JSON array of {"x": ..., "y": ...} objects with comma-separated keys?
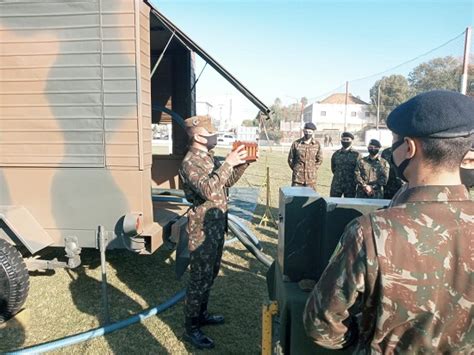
[
  {"x": 465, "y": 65},
  {"x": 103, "y": 267},
  {"x": 267, "y": 216}
]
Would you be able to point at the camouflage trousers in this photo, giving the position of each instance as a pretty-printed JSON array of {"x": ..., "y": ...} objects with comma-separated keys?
[
  {"x": 309, "y": 184},
  {"x": 338, "y": 190},
  {"x": 204, "y": 266}
]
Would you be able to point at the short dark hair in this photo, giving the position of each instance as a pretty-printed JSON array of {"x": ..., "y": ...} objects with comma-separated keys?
[{"x": 447, "y": 152}]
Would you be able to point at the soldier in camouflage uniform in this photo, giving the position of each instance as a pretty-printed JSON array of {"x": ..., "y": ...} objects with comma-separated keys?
[
  {"x": 305, "y": 157},
  {"x": 371, "y": 173},
  {"x": 205, "y": 182},
  {"x": 401, "y": 279},
  {"x": 394, "y": 182},
  {"x": 343, "y": 164}
]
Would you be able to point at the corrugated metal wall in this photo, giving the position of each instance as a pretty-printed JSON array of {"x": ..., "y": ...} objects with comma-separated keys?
[
  {"x": 145, "y": 83},
  {"x": 120, "y": 83},
  {"x": 68, "y": 83}
]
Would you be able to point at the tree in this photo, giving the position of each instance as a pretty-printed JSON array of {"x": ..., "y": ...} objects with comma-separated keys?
[
  {"x": 438, "y": 73},
  {"x": 280, "y": 113},
  {"x": 250, "y": 123},
  {"x": 394, "y": 90}
]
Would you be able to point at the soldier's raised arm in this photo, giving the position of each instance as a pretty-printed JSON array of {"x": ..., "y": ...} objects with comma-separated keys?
[
  {"x": 205, "y": 183},
  {"x": 237, "y": 173}
]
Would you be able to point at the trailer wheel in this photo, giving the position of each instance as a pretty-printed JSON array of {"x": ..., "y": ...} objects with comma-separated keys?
[{"x": 14, "y": 281}]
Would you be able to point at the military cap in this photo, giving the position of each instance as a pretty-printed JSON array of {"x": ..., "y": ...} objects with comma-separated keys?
[
  {"x": 375, "y": 143},
  {"x": 200, "y": 121},
  {"x": 437, "y": 114},
  {"x": 310, "y": 125},
  {"x": 347, "y": 134}
]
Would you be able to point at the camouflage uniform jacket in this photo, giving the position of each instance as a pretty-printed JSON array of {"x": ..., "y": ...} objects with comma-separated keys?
[
  {"x": 343, "y": 164},
  {"x": 205, "y": 182},
  {"x": 401, "y": 279},
  {"x": 373, "y": 172},
  {"x": 304, "y": 159},
  {"x": 394, "y": 182}
]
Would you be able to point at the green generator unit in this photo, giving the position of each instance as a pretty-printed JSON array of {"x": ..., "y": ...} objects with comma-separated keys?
[{"x": 310, "y": 227}]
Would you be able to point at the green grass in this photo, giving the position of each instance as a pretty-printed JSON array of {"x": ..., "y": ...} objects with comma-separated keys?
[{"x": 66, "y": 302}]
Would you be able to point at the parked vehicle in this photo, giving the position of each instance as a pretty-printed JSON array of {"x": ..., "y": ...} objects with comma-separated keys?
[{"x": 226, "y": 139}]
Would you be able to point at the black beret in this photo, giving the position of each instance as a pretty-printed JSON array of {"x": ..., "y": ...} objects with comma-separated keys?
[
  {"x": 347, "y": 134},
  {"x": 309, "y": 125},
  {"x": 437, "y": 114},
  {"x": 375, "y": 143}
]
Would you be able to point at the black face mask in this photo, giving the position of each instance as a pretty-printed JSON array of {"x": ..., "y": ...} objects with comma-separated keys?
[
  {"x": 400, "y": 168},
  {"x": 346, "y": 144},
  {"x": 467, "y": 177},
  {"x": 373, "y": 151},
  {"x": 308, "y": 135},
  {"x": 211, "y": 141}
]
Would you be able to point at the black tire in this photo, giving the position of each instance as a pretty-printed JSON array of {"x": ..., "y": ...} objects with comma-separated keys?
[{"x": 14, "y": 281}]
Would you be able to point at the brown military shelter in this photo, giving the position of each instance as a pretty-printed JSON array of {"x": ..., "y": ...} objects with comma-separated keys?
[{"x": 76, "y": 106}]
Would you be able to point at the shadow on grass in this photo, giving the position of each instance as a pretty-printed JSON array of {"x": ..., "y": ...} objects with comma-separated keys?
[
  {"x": 238, "y": 294},
  {"x": 14, "y": 332},
  {"x": 86, "y": 292}
]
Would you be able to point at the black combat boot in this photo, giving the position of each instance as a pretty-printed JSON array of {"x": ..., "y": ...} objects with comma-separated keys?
[
  {"x": 195, "y": 336},
  {"x": 209, "y": 319}
]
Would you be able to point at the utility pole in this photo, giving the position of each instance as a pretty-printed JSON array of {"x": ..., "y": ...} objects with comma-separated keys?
[
  {"x": 378, "y": 107},
  {"x": 345, "y": 106},
  {"x": 465, "y": 66}
]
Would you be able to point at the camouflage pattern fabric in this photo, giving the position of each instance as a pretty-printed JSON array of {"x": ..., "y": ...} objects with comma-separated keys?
[
  {"x": 373, "y": 172},
  {"x": 343, "y": 164},
  {"x": 401, "y": 279},
  {"x": 304, "y": 159},
  {"x": 204, "y": 264},
  {"x": 394, "y": 182},
  {"x": 205, "y": 182}
]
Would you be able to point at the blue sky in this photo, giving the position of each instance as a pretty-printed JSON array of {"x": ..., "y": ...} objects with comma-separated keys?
[{"x": 290, "y": 49}]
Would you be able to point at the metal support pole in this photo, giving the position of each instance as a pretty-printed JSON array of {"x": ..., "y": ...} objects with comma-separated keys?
[
  {"x": 345, "y": 106},
  {"x": 378, "y": 107},
  {"x": 103, "y": 267},
  {"x": 268, "y": 186},
  {"x": 161, "y": 56},
  {"x": 267, "y": 216},
  {"x": 465, "y": 65},
  {"x": 268, "y": 310}
]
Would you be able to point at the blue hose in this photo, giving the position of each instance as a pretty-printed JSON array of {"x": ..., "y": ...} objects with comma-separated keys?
[
  {"x": 97, "y": 332},
  {"x": 94, "y": 333}
]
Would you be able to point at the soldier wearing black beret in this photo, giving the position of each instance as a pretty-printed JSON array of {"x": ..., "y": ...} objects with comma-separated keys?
[
  {"x": 405, "y": 272},
  {"x": 305, "y": 158},
  {"x": 371, "y": 173},
  {"x": 343, "y": 163}
]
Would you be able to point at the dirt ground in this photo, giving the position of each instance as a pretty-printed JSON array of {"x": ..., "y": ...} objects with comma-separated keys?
[{"x": 66, "y": 302}]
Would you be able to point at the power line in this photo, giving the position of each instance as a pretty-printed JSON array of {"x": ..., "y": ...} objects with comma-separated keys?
[
  {"x": 411, "y": 60},
  {"x": 392, "y": 68}
]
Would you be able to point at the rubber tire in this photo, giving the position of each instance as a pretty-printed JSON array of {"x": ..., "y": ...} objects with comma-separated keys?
[{"x": 14, "y": 281}]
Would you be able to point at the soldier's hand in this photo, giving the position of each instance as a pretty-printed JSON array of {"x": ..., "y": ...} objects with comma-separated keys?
[
  {"x": 370, "y": 190},
  {"x": 237, "y": 157}
]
